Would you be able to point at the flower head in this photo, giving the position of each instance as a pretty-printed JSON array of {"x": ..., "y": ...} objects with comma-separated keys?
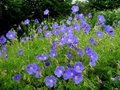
[
  {"x": 17, "y": 77},
  {"x": 20, "y": 52},
  {"x": 31, "y": 68},
  {"x": 46, "y": 12},
  {"x": 11, "y": 35},
  {"x": 80, "y": 52},
  {"x": 48, "y": 34},
  {"x": 27, "y": 21},
  {"x": 53, "y": 54},
  {"x": 36, "y": 21},
  {"x": 69, "y": 55},
  {"x": 50, "y": 81},
  {"x": 47, "y": 63},
  {"x": 99, "y": 34},
  {"x": 92, "y": 41},
  {"x": 77, "y": 78},
  {"x": 90, "y": 15},
  {"x": 78, "y": 67},
  {"x": 2, "y": 40},
  {"x": 75, "y": 9},
  {"x": 101, "y": 19},
  {"x": 42, "y": 57},
  {"x": 59, "y": 71}
]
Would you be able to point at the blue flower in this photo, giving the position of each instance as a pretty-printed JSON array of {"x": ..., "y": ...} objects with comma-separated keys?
[
  {"x": 75, "y": 9},
  {"x": 31, "y": 68},
  {"x": 27, "y": 21},
  {"x": 86, "y": 28},
  {"x": 80, "y": 52},
  {"x": 99, "y": 34},
  {"x": 88, "y": 50},
  {"x": 2, "y": 40},
  {"x": 90, "y": 15},
  {"x": 59, "y": 71},
  {"x": 11, "y": 35},
  {"x": 53, "y": 54},
  {"x": 69, "y": 55},
  {"x": 56, "y": 32},
  {"x": 20, "y": 52},
  {"x": 78, "y": 67},
  {"x": 50, "y": 81},
  {"x": 0, "y": 53},
  {"x": 109, "y": 30},
  {"x": 47, "y": 63},
  {"x": 92, "y": 41},
  {"x": 42, "y": 57},
  {"x": 70, "y": 18},
  {"x": 101, "y": 19},
  {"x": 36, "y": 21},
  {"x": 93, "y": 56},
  {"x": 77, "y": 78},
  {"x": 54, "y": 25},
  {"x": 47, "y": 34},
  {"x": 46, "y": 12},
  {"x": 116, "y": 78},
  {"x": 77, "y": 27},
  {"x": 68, "y": 74},
  {"x": 39, "y": 30},
  {"x": 17, "y": 77}
]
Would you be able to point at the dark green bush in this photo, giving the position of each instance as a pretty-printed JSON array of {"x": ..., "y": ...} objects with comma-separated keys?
[
  {"x": 104, "y": 4},
  {"x": 14, "y": 11}
]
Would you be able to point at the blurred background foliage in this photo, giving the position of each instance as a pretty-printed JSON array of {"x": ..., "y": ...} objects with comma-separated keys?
[{"x": 14, "y": 11}]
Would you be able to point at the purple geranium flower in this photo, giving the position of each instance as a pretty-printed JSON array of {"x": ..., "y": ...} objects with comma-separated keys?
[
  {"x": 48, "y": 34},
  {"x": 11, "y": 35},
  {"x": 54, "y": 25},
  {"x": 37, "y": 73},
  {"x": 86, "y": 28},
  {"x": 80, "y": 52},
  {"x": 36, "y": 21},
  {"x": 27, "y": 21},
  {"x": 116, "y": 78},
  {"x": 69, "y": 55},
  {"x": 45, "y": 27},
  {"x": 17, "y": 77},
  {"x": 90, "y": 15},
  {"x": 31, "y": 68},
  {"x": 109, "y": 30},
  {"x": 50, "y": 81},
  {"x": 20, "y": 52},
  {"x": 78, "y": 67},
  {"x": 70, "y": 18},
  {"x": 75, "y": 9},
  {"x": 39, "y": 30},
  {"x": 77, "y": 27},
  {"x": 46, "y": 12},
  {"x": 56, "y": 32},
  {"x": 68, "y": 74},
  {"x": 53, "y": 54},
  {"x": 88, "y": 50},
  {"x": 2, "y": 40},
  {"x": 47, "y": 63},
  {"x": 77, "y": 78},
  {"x": 92, "y": 41},
  {"x": 93, "y": 56},
  {"x": 68, "y": 22},
  {"x": 99, "y": 34},
  {"x": 101, "y": 19},
  {"x": 0, "y": 53},
  {"x": 42, "y": 57},
  {"x": 59, "y": 71}
]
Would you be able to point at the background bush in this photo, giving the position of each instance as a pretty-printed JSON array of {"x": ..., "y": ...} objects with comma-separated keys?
[{"x": 15, "y": 11}]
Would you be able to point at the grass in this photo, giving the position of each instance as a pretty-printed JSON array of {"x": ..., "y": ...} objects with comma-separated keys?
[{"x": 95, "y": 78}]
